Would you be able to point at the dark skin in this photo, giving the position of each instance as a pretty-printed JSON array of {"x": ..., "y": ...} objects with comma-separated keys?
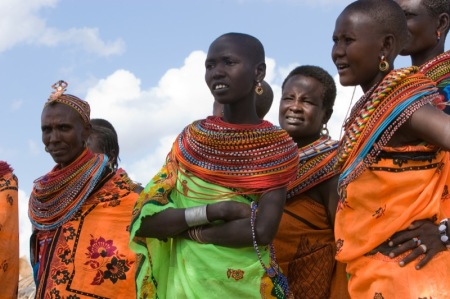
[
  {"x": 231, "y": 74},
  {"x": 423, "y": 27},
  {"x": 426, "y": 124},
  {"x": 64, "y": 133},
  {"x": 261, "y": 102},
  {"x": 302, "y": 114}
]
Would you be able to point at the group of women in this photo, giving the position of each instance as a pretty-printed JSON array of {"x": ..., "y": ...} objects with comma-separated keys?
[{"x": 245, "y": 209}]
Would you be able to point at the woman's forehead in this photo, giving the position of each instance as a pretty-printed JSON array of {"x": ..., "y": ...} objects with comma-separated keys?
[{"x": 62, "y": 112}]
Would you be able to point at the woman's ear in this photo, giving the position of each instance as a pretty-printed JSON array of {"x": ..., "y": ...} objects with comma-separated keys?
[
  {"x": 443, "y": 23},
  {"x": 260, "y": 72},
  {"x": 327, "y": 115},
  {"x": 389, "y": 47}
]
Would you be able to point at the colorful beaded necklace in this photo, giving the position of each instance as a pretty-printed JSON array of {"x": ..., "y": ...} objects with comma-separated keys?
[
  {"x": 364, "y": 109},
  {"x": 437, "y": 68},
  {"x": 59, "y": 194},
  {"x": 252, "y": 157},
  {"x": 317, "y": 162},
  {"x": 378, "y": 115},
  {"x": 279, "y": 280}
]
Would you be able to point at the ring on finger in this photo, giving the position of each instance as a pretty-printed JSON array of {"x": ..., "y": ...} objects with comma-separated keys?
[
  {"x": 417, "y": 241},
  {"x": 423, "y": 247}
]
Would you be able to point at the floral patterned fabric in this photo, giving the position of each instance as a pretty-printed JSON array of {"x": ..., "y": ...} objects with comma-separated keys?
[
  {"x": 88, "y": 256},
  {"x": 9, "y": 236}
]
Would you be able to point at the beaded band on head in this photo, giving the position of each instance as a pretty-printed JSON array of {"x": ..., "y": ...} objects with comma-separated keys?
[{"x": 58, "y": 96}]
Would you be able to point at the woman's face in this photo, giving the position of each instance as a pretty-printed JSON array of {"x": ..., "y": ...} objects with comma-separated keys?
[
  {"x": 421, "y": 26},
  {"x": 63, "y": 133},
  {"x": 230, "y": 72},
  {"x": 357, "y": 50},
  {"x": 301, "y": 112}
]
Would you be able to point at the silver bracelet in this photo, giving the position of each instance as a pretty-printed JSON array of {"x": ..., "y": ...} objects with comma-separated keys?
[
  {"x": 443, "y": 228},
  {"x": 196, "y": 216}
]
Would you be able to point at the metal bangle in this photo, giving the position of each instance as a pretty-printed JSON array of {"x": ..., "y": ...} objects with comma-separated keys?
[{"x": 196, "y": 216}]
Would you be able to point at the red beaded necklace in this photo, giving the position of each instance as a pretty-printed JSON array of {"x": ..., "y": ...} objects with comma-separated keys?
[
  {"x": 252, "y": 157},
  {"x": 57, "y": 195}
]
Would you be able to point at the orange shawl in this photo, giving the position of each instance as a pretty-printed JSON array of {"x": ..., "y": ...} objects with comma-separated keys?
[
  {"x": 385, "y": 189},
  {"x": 94, "y": 242},
  {"x": 304, "y": 242},
  {"x": 9, "y": 234}
]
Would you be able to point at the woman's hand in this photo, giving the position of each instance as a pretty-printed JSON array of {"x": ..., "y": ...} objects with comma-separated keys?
[
  {"x": 422, "y": 237},
  {"x": 228, "y": 211}
]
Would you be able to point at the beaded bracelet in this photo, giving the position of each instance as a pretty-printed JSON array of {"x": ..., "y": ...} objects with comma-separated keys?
[
  {"x": 196, "y": 216},
  {"x": 443, "y": 228}
]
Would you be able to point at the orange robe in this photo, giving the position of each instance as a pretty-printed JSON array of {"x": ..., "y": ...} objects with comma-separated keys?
[
  {"x": 384, "y": 189},
  {"x": 304, "y": 243},
  {"x": 88, "y": 256},
  {"x": 385, "y": 199},
  {"x": 9, "y": 236}
]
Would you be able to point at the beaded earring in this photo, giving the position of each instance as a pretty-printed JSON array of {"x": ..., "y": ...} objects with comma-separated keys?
[
  {"x": 384, "y": 65},
  {"x": 438, "y": 33},
  {"x": 258, "y": 89}
]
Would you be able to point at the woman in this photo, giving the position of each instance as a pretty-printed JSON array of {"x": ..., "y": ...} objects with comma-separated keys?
[
  {"x": 305, "y": 243},
  {"x": 103, "y": 140},
  {"x": 204, "y": 220},
  {"x": 393, "y": 168},
  {"x": 428, "y": 24},
  {"x": 9, "y": 232},
  {"x": 80, "y": 212}
]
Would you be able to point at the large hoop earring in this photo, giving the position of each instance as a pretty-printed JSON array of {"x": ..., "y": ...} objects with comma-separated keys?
[
  {"x": 324, "y": 131},
  {"x": 258, "y": 89},
  {"x": 384, "y": 65}
]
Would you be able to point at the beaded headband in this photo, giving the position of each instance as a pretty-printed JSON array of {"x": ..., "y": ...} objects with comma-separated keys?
[{"x": 58, "y": 96}]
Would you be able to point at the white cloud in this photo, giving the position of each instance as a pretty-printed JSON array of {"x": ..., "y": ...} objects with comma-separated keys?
[
  {"x": 147, "y": 120},
  {"x": 21, "y": 23},
  {"x": 24, "y": 224},
  {"x": 345, "y": 99}
]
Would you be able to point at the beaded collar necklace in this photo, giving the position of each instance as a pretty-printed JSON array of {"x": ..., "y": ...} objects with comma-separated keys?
[
  {"x": 317, "y": 162},
  {"x": 321, "y": 145},
  {"x": 59, "y": 194},
  {"x": 388, "y": 107},
  {"x": 364, "y": 109},
  {"x": 253, "y": 157},
  {"x": 437, "y": 67}
]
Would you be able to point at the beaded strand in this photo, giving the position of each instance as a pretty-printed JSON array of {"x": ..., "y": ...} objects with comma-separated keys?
[
  {"x": 273, "y": 270},
  {"x": 257, "y": 158},
  {"x": 57, "y": 196}
]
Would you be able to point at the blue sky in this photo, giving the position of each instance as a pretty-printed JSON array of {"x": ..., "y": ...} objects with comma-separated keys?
[{"x": 140, "y": 64}]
